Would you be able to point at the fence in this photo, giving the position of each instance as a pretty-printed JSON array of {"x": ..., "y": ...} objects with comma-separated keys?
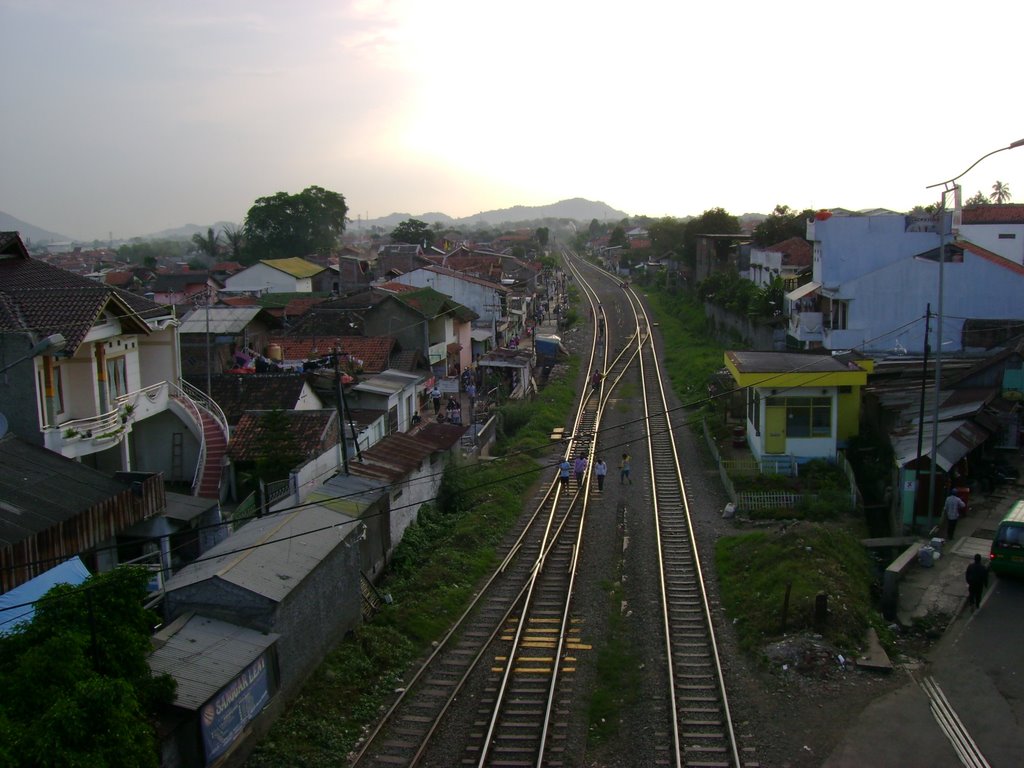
[{"x": 752, "y": 501}]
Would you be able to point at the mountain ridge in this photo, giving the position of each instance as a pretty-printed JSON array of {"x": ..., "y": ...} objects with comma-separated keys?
[{"x": 577, "y": 208}]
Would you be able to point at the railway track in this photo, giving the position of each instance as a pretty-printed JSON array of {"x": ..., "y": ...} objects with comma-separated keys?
[{"x": 513, "y": 653}]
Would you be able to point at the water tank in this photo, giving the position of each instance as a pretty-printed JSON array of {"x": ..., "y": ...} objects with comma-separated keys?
[{"x": 274, "y": 352}]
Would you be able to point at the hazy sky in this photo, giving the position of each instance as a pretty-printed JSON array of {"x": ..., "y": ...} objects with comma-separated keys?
[{"x": 129, "y": 117}]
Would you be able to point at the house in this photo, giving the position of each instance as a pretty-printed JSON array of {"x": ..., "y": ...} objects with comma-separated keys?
[
  {"x": 226, "y": 676},
  {"x": 110, "y": 394},
  {"x": 786, "y": 260},
  {"x": 805, "y": 406},
  {"x": 274, "y": 575},
  {"x": 312, "y": 432},
  {"x": 396, "y": 393},
  {"x": 184, "y": 287},
  {"x": 428, "y": 322},
  {"x": 996, "y": 228},
  {"x": 978, "y": 411},
  {"x": 488, "y": 298},
  {"x": 54, "y": 509},
  {"x": 874, "y": 278},
  {"x": 211, "y": 336},
  {"x": 236, "y": 393},
  {"x": 293, "y": 275}
]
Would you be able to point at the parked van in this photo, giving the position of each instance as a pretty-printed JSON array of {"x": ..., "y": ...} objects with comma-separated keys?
[{"x": 1007, "y": 555}]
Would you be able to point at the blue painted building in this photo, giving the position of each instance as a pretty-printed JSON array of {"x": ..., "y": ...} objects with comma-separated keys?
[{"x": 874, "y": 277}]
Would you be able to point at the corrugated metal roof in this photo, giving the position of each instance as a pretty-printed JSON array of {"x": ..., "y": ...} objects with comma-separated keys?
[
  {"x": 223, "y": 320},
  {"x": 270, "y": 556},
  {"x": 203, "y": 655},
  {"x": 296, "y": 267}
]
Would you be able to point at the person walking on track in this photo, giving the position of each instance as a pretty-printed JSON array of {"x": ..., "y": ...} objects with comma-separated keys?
[
  {"x": 624, "y": 468},
  {"x": 600, "y": 470}
]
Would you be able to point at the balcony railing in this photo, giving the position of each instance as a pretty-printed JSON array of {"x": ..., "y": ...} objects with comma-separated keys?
[{"x": 80, "y": 437}]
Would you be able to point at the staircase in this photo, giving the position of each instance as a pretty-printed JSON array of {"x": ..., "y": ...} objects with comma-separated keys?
[{"x": 216, "y": 448}]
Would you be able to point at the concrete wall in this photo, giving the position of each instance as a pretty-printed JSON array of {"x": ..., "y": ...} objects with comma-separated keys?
[{"x": 765, "y": 338}]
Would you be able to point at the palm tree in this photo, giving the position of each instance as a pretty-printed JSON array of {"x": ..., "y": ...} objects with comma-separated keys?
[
  {"x": 208, "y": 245},
  {"x": 234, "y": 236},
  {"x": 1000, "y": 192}
]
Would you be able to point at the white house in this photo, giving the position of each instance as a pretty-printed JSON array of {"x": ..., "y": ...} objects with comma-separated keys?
[{"x": 293, "y": 275}]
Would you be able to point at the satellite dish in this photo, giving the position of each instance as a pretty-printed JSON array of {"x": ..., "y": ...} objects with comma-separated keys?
[{"x": 3, "y": 425}]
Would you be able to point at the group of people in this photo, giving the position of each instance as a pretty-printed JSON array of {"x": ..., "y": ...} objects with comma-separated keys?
[
  {"x": 578, "y": 468},
  {"x": 976, "y": 575}
]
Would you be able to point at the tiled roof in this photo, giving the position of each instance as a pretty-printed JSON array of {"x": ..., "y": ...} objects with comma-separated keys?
[
  {"x": 227, "y": 266},
  {"x": 1008, "y": 213},
  {"x": 179, "y": 281},
  {"x": 45, "y": 299},
  {"x": 399, "y": 454},
  {"x": 374, "y": 351},
  {"x": 393, "y": 287},
  {"x": 314, "y": 432},
  {"x": 120, "y": 278},
  {"x": 431, "y": 303},
  {"x": 796, "y": 252},
  {"x": 294, "y": 266},
  {"x": 239, "y": 301},
  {"x": 237, "y": 393}
]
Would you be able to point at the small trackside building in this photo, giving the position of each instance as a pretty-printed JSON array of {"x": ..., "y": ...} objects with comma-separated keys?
[{"x": 801, "y": 405}]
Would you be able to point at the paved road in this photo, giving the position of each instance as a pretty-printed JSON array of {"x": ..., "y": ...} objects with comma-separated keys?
[{"x": 978, "y": 668}]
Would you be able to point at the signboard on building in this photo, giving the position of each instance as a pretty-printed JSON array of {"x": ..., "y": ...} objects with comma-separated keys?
[{"x": 225, "y": 716}]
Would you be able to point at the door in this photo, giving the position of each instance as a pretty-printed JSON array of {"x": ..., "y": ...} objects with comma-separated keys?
[{"x": 775, "y": 429}]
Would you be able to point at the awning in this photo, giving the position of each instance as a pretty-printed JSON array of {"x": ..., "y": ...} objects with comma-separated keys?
[
  {"x": 17, "y": 605},
  {"x": 480, "y": 334},
  {"x": 803, "y": 290},
  {"x": 454, "y": 347}
]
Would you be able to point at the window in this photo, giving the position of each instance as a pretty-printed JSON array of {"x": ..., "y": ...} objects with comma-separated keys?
[
  {"x": 806, "y": 416},
  {"x": 117, "y": 377}
]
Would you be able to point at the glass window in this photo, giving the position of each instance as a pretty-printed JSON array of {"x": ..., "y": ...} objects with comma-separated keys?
[
  {"x": 806, "y": 416},
  {"x": 117, "y": 377}
]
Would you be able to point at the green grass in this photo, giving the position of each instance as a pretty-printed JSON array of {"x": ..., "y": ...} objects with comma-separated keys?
[
  {"x": 691, "y": 355},
  {"x": 618, "y": 673},
  {"x": 431, "y": 578},
  {"x": 755, "y": 568}
]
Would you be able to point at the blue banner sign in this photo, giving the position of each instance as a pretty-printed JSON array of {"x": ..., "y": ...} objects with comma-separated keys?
[{"x": 235, "y": 705}]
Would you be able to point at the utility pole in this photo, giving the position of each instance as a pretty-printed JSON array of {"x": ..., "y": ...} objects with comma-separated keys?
[{"x": 341, "y": 409}]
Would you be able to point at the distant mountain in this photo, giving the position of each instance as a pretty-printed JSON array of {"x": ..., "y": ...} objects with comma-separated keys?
[
  {"x": 37, "y": 235},
  {"x": 577, "y": 209},
  {"x": 186, "y": 232}
]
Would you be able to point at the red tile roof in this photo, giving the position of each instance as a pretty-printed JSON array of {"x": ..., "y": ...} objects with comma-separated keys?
[
  {"x": 796, "y": 252},
  {"x": 1008, "y": 213},
  {"x": 118, "y": 278},
  {"x": 239, "y": 301},
  {"x": 314, "y": 432},
  {"x": 374, "y": 351}
]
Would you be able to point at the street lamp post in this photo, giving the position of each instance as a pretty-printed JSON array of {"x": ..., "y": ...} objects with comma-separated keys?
[
  {"x": 50, "y": 345},
  {"x": 948, "y": 187}
]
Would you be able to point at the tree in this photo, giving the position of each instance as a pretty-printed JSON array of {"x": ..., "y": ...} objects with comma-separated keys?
[
  {"x": 542, "y": 237},
  {"x": 1000, "y": 193},
  {"x": 714, "y": 221},
  {"x": 75, "y": 687},
  {"x": 781, "y": 224},
  {"x": 284, "y": 225},
  {"x": 413, "y": 232},
  {"x": 980, "y": 198},
  {"x": 668, "y": 235},
  {"x": 236, "y": 240},
  {"x": 278, "y": 450},
  {"x": 618, "y": 238},
  {"x": 209, "y": 245}
]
